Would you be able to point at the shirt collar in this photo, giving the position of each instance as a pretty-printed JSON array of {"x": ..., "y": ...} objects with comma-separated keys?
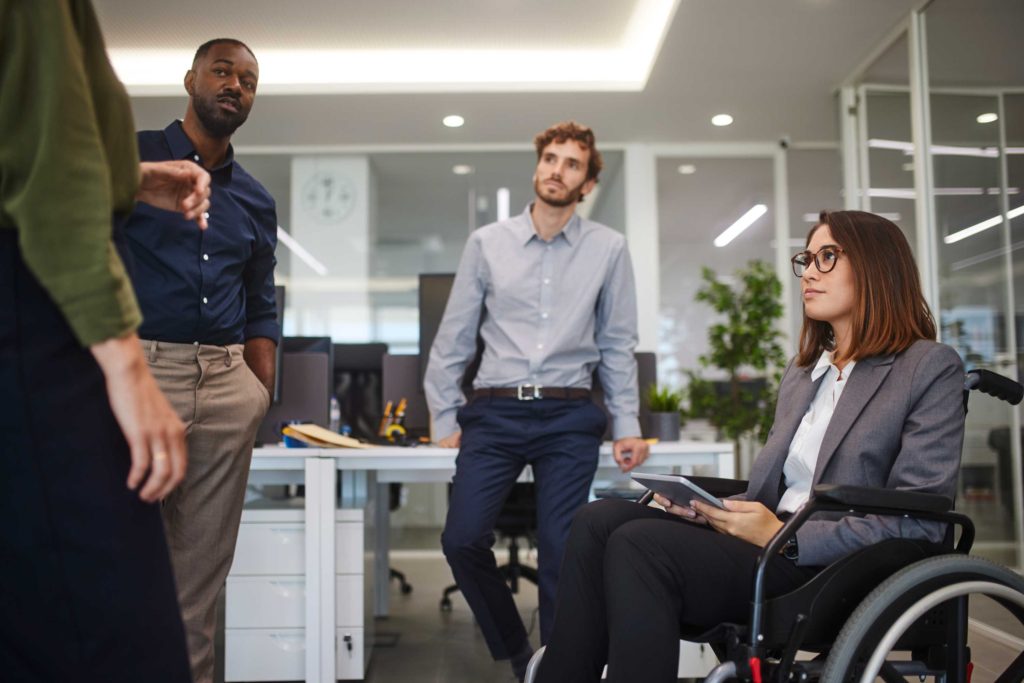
[
  {"x": 825, "y": 362},
  {"x": 526, "y": 231},
  {"x": 182, "y": 148}
]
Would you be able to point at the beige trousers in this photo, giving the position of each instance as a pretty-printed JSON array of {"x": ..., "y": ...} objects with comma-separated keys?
[{"x": 222, "y": 403}]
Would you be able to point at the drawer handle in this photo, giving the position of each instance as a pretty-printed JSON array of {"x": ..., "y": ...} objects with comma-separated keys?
[
  {"x": 285, "y": 588},
  {"x": 289, "y": 643},
  {"x": 285, "y": 535}
]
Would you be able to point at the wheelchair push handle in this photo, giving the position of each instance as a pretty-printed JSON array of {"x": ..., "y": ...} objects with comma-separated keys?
[{"x": 988, "y": 382}]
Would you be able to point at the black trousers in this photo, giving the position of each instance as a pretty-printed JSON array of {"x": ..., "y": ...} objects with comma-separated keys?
[
  {"x": 86, "y": 590},
  {"x": 632, "y": 577},
  {"x": 560, "y": 440}
]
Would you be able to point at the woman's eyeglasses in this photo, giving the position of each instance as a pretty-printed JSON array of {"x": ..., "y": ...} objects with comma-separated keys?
[{"x": 824, "y": 260}]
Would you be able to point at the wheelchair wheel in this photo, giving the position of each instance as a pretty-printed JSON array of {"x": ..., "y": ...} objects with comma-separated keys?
[{"x": 859, "y": 653}]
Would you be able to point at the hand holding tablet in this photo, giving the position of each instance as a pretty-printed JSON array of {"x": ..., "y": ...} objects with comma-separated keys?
[{"x": 677, "y": 489}]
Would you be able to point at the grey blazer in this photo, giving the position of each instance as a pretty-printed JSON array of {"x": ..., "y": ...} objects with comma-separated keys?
[{"x": 899, "y": 424}]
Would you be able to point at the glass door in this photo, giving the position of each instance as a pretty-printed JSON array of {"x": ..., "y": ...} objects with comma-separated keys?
[{"x": 977, "y": 303}]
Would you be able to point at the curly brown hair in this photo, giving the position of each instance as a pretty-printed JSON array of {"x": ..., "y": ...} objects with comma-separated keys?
[{"x": 570, "y": 130}]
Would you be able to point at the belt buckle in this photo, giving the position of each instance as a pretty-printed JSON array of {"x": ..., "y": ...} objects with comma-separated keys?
[{"x": 529, "y": 392}]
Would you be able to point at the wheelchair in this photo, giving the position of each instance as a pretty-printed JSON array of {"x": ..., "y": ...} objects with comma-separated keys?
[{"x": 891, "y": 610}]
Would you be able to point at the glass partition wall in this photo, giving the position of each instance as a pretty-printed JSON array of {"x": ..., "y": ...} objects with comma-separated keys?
[
  {"x": 361, "y": 227},
  {"x": 935, "y": 132}
]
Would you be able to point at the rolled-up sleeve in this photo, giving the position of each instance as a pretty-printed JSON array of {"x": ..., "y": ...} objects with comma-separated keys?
[
  {"x": 455, "y": 343},
  {"x": 616, "y": 336},
  {"x": 260, "y": 303},
  {"x": 55, "y": 181}
]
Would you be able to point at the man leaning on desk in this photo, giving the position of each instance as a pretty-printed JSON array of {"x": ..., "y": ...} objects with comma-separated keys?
[{"x": 552, "y": 296}]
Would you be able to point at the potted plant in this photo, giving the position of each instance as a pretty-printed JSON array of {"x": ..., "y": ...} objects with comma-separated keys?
[
  {"x": 666, "y": 416},
  {"x": 744, "y": 347}
]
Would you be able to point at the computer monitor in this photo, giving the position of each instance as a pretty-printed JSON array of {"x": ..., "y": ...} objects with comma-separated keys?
[
  {"x": 357, "y": 384},
  {"x": 305, "y": 375},
  {"x": 434, "y": 289}
]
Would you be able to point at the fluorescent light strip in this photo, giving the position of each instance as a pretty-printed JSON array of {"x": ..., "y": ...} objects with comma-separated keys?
[
  {"x": 502, "y": 200},
  {"x": 300, "y": 251},
  {"x": 982, "y": 226},
  {"x": 744, "y": 222},
  {"x": 619, "y": 67},
  {"x": 908, "y": 193},
  {"x": 943, "y": 150},
  {"x": 987, "y": 256}
]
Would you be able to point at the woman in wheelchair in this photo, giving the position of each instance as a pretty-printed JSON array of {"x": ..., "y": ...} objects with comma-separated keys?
[{"x": 870, "y": 400}]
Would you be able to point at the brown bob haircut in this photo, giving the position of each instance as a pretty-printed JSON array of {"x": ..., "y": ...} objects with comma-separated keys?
[
  {"x": 570, "y": 130},
  {"x": 890, "y": 312}
]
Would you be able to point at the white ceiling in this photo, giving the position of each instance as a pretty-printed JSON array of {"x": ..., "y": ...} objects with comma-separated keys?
[{"x": 772, "y": 64}]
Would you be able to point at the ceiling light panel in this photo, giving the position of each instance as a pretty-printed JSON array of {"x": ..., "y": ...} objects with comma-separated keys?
[{"x": 623, "y": 65}]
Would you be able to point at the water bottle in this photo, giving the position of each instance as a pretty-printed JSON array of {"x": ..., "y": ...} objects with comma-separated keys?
[{"x": 335, "y": 415}]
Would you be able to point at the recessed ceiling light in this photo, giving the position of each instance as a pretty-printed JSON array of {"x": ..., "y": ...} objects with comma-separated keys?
[
  {"x": 687, "y": 169},
  {"x": 721, "y": 120},
  {"x": 462, "y": 169},
  {"x": 988, "y": 118},
  {"x": 453, "y": 121}
]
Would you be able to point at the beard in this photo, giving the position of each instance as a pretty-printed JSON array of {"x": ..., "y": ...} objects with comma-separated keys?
[
  {"x": 216, "y": 121},
  {"x": 572, "y": 195}
]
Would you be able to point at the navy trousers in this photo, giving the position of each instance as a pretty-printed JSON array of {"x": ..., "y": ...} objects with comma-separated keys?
[
  {"x": 86, "y": 590},
  {"x": 560, "y": 440}
]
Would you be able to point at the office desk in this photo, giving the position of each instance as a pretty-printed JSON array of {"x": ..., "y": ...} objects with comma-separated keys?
[{"x": 364, "y": 474}]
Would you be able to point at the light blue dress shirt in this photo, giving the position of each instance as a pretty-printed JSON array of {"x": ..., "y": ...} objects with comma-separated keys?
[{"x": 549, "y": 313}]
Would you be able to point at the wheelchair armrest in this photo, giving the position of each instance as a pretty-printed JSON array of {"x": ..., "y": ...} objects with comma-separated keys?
[
  {"x": 723, "y": 488},
  {"x": 897, "y": 501}
]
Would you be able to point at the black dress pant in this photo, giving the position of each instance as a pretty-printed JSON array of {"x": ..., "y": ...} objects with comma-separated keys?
[
  {"x": 86, "y": 590},
  {"x": 560, "y": 440},
  {"x": 632, "y": 577}
]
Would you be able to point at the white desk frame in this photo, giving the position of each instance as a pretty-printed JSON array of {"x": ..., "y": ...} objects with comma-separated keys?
[{"x": 384, "y": 465}]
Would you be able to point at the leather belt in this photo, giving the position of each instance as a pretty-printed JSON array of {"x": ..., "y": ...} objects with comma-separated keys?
[{"x": 532, "y": 392}]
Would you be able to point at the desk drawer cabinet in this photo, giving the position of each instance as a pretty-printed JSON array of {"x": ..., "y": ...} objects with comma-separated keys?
[
  {"x": 275, "y": 602},
  {"x": 265, "y": 605},
  {"x": 258, "y": 654},
  {"x": 270, "y": 548}
]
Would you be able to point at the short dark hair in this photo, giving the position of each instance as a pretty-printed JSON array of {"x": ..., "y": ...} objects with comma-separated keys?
[
  {"x": 570, "y": 130},
  {"x": 890, "y": 312},
  {"x": 205, "y": 47}
]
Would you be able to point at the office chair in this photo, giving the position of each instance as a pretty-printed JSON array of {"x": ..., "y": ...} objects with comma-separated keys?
[
  {"x": 518, "y": 518},
  {"x": 899, "y": 595}
]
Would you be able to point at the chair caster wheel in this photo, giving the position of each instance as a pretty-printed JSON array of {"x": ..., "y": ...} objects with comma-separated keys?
[{"x": 446, "y": 605}]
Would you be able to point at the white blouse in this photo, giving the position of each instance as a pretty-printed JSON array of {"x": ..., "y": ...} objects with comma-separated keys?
[{"x": 803, "y": 450}]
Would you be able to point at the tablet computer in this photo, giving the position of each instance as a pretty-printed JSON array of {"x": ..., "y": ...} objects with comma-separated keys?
[{"x": 677, "y": 488}]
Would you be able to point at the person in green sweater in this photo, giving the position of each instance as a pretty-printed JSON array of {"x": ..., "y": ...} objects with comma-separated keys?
[{"x": 89, "y": 443}]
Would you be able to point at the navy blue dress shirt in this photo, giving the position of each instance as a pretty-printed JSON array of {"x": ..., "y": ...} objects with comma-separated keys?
[{"x": 214, "y": 286}]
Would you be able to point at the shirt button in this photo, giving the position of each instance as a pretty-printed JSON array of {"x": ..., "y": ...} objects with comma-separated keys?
[
  {"x": 195, "y": 343},
  {"x": 204, "y": 299},
  {"x": 540, "y": 346},
  {"x": 544, "y": 315},
  {"x": 206, "y": 257},
  {"x": 195, "y": 157},
  {"x": 547, "y": 281}
]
